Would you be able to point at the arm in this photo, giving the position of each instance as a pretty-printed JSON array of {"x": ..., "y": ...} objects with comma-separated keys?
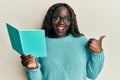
[
  {"x": 96, "y": 57},
  {"x": 35, "y": 74},
  {"x": 33, "y": 67},
  {"x": 95, "y": 64}
]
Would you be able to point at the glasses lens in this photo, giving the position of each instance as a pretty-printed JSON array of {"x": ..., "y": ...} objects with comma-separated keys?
[
  {"x": 67, "y": 19},
  {"x": 57, "y": 18}
]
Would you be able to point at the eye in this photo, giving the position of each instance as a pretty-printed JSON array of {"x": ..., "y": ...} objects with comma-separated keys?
[
  {"x": 57, "y": 18},
  {"x": 67, "y": 18}
]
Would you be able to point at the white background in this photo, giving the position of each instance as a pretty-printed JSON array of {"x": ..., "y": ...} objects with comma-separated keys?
[{"x": 95, "y": 18}]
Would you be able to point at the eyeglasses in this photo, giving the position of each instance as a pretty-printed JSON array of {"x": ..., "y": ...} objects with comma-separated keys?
[{"x": 58, "y": 18}]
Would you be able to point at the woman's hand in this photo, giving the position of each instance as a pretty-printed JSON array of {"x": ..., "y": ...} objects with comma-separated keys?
[
  {"x": 95, "y": 45},
  {"x": 28, "y": 61}
]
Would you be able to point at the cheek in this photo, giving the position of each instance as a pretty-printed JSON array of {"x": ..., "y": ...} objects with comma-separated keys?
[
  {"x": 54, "y": 23},
  {"x": 68, "y": 25}
]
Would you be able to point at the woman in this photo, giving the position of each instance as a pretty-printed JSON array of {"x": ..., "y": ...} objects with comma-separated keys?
[{"x": 70, "y": 55}]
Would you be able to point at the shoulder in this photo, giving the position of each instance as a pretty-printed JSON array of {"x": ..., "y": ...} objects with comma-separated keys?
[{"x": 82, "y": 39}]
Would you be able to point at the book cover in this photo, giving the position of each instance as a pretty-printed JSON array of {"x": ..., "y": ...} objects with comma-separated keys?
[{"x": 31, "y": 42}]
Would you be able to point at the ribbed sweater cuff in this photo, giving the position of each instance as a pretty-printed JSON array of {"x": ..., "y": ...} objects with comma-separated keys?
[
  {"x": 34, "y": 74},
  {"x": 98, "y": 56}
]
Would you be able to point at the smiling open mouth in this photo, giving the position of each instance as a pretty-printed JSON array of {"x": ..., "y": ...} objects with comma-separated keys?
[{"x": 60, "y": 29}]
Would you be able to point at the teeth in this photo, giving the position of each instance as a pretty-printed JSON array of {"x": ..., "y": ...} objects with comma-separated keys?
[{"x": 60, "y": 27}]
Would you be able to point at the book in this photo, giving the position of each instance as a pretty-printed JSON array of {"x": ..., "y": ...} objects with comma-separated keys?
[{"x": 30, "y": 42}]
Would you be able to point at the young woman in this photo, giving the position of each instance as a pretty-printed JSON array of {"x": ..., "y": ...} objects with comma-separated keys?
[{"x": 70, "y": 55}]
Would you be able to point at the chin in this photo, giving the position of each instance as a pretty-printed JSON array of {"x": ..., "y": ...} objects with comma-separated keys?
[{"x": 61, "y": 34}]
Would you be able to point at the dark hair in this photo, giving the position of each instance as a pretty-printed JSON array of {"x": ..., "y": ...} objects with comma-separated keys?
[{"x": 47, "y": 23}]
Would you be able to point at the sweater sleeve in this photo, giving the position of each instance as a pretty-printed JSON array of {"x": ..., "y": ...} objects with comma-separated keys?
[
  {"x": 94, "y": 64},
  {"x": 35, "y": 74}
]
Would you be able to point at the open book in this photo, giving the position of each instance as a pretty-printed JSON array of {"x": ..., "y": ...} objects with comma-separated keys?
[{"x": 31, "y": 42}]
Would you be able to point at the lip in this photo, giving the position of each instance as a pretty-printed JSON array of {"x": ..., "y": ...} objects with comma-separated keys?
[{"x": 60, "y": 29}]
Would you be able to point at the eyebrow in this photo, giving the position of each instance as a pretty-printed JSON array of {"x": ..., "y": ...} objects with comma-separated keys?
[{"x": 60, "y": 15}]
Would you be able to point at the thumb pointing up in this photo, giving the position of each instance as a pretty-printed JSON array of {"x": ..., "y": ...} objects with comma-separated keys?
[
  {"x": 95, "y": 45},
  {"x": 100, "y": 40}
]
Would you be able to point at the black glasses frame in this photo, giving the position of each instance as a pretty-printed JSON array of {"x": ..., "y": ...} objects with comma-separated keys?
[{"x": 58, "y": 18}]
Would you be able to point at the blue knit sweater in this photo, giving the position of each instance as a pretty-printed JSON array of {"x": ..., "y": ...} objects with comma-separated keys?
[{"x": 68, "y": 59}]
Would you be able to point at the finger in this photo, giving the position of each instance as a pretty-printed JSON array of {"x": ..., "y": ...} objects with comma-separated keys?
[
  {"x": 27, "y": 57},
  {"x": 90, "y": 41},
  {"x": 22, "y": 56},
  {"x": 25, "y": 63},
  {"x": 92, "y": 49},
  {"x": 101, "y": 38},
  {"x": 31, "y": 63}
]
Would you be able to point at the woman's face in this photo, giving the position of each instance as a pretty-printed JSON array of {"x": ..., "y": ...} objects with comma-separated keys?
[{"x": 61, "y": 22}]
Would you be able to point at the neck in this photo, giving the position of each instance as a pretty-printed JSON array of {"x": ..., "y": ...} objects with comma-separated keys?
[{"x": 58, "y": 36}]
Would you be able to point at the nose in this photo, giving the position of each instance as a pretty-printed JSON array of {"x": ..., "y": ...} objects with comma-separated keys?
[{"x": 61, "y": 21}]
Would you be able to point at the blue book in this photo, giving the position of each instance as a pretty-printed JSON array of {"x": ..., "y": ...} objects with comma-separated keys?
[{"x": 31, "y": 42}]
